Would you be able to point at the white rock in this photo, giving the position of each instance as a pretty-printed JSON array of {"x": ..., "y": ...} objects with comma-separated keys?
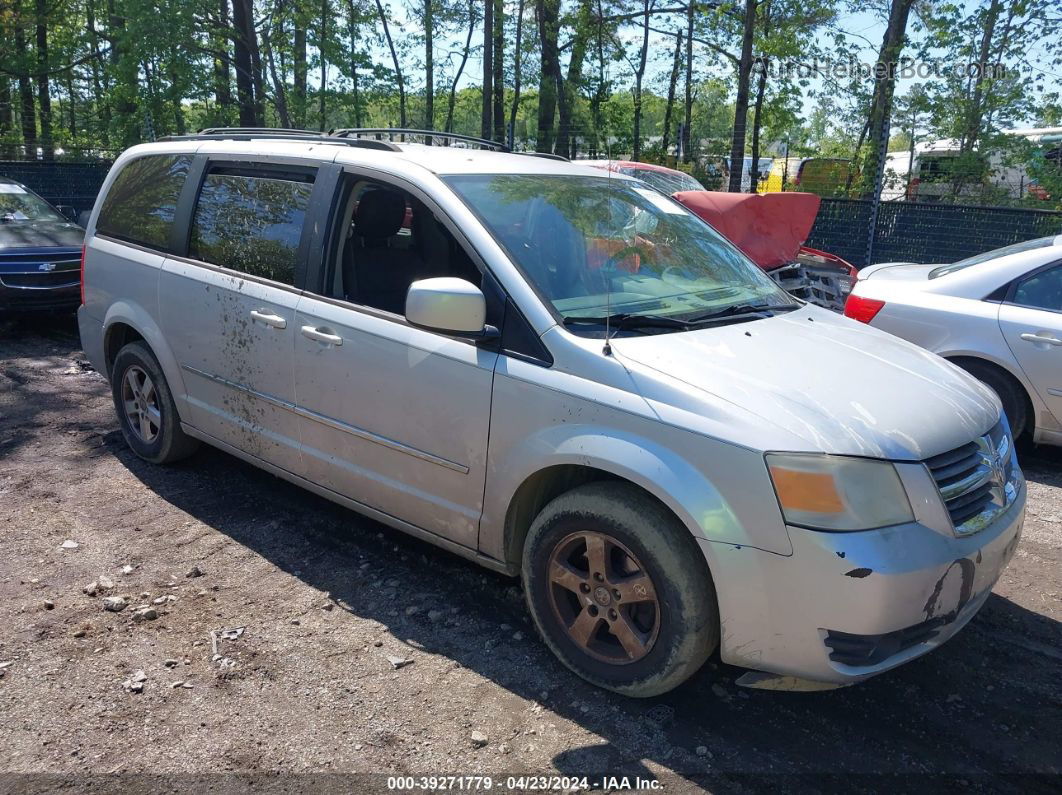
[
  {"x": 69, "y": 544},
  {"x": 127, "y": 569},
  {"x": 479, "y": 739},
  {"x": 105, "y": 582}
]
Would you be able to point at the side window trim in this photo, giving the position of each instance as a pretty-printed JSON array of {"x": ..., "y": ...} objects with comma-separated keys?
[
  {"x": 204, "y": 165},
  {"x": 186, "y": 203}
]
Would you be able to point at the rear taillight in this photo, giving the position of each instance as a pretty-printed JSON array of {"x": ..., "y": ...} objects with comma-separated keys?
[
  {"x": 82, "y": 275},
  {"x": 862, "y": 309}
]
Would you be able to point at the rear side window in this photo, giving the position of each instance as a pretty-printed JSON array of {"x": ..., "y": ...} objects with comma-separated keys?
[
  {"x": 1042, "y": 291},
  {"x": 142, "y": 201},
  {"x": 251, "y": 224}
]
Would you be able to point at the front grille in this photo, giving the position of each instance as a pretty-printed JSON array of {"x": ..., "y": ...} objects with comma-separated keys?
[
  {"x": 41, "y": 281},
  {"x": 974, "y": 479},
  {"x": 39, "y": 271},
  {"x": 849, "y": 649}
]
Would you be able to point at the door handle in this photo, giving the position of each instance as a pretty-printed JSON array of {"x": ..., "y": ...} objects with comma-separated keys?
[
  {"x": 1030, "y": 337},
  {"x": 321, "y": 336},
  {"x": 269, "y": 318}
]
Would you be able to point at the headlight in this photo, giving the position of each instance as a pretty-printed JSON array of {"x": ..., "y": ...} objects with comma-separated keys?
[{"x": 828, "y": 492}]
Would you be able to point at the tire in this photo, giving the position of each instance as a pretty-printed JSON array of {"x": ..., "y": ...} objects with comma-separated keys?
[
  {"x": 673, "y": 636},
  {"x": 160, "y": 440},
  {"x": 1010, "y": 393}
]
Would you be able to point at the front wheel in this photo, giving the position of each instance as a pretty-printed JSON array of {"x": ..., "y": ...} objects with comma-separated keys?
[{"x": 619, "y": 590}]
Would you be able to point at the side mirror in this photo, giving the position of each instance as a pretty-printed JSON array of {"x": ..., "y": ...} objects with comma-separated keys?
[
  {"x": 68, "y": 212},
  {"x": 450, "y": 306},
  {"x": 83, "y": 218}
]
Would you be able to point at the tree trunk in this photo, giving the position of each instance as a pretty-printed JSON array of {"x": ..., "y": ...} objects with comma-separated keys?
[
  {"x": 741, "y": 105},
  {"x": 352, "y": 32},
  {"x": 881, "y": 103},
  {"x": 299, "y": 68},
  {"x": 44, "y": 99},
  {"x": 279, "y": 95},
  {"x": 566, "y": 99},
  {"x": 222, "y": 64},
  {"x": 429, "y": 67},
  {"x": 517, "y": 57},
  {"x": 687, "y": 135},
  {"x": 669, "y": 109},
  {"x": 639, "y": 74},
  {"x": 7, "y": 120},
  {"x": 395, "y": 61},
  {"x": 322, "y": 116},
  {"x": 548, "y": 12},
  {"x": 498, "y": 51},
  {"x": 71, "y": 104},
  {"x": 449, "y": 127},
  {"x": 975, "y": 116},
  {"x": 99, "y": 100},
  {"x": 486, "y": 114},
  {"x": 242, "y": 60},
  {"x": 761, "y": 89}
]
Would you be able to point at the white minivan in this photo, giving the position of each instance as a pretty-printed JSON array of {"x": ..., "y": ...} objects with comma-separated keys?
[{"x": 563, "y": 375}]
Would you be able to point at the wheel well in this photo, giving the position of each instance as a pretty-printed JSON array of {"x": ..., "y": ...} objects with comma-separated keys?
[
  {"x": 960, "y": 361},
  {"x": 542, "y": 487},
  {"x": 118, "y": 336}
]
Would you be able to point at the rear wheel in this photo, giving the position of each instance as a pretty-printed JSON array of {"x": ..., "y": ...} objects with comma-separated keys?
[
  {"x": 619, "y": 591},
  {"x": 147, "y": 414},
  {"x": 1009, "y": 391}
]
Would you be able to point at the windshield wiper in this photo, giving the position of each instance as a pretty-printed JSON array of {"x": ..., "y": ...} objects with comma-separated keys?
[
  {"x": 625, "y": 320},
  {"x": 742, "y": 311}
]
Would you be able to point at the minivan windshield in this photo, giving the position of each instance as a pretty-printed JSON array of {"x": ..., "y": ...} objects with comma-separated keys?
[
  {"x": 599, "y": 246},
  {"x": 18, "y": 204},
  {"x": 996, "y": 253}
]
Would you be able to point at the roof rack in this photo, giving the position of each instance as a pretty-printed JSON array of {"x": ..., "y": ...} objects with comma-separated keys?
[
  {"x": 391, "y": 132},
  {"x": 280, "y": 133},
  {"x": 547, "y": 155}
]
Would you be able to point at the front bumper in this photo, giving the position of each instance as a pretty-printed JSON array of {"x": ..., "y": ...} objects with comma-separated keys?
[
  {"x": 847, "y": 606},
  {"x": 19, "y": 299}
]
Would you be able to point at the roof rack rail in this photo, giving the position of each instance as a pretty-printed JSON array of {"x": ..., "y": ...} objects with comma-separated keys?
[
  {"x": 547, "y": 155},
  {"x": 259, "y": 131},
  {"x": 279, "y": 133},
  {"x": 391, "y": 132}
]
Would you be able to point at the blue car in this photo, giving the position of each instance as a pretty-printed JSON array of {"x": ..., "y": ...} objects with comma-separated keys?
[{"x": 40, "y": 252}]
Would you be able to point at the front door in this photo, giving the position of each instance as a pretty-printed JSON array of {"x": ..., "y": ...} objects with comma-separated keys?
[{"x": 392, "y": 416}]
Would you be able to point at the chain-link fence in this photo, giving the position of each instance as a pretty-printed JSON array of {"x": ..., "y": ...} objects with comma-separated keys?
[{"x": 922, "y": 232}]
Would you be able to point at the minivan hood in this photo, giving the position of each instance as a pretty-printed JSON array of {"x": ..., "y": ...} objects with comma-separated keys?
[
  {"x": 40, "y": 234},
  {"x": 837, "y": 385}
]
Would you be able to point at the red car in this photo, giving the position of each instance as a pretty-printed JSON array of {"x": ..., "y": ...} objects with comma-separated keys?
[{"x": 770, "y": 228}]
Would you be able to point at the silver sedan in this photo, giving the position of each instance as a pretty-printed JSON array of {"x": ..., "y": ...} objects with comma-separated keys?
[{"x": 997, "y": 315}]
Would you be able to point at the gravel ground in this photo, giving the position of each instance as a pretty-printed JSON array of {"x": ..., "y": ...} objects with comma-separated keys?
[{"x": 330, "y": 602}]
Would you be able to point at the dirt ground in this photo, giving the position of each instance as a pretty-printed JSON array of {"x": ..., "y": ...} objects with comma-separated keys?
[{"x": 325, "y": 597}]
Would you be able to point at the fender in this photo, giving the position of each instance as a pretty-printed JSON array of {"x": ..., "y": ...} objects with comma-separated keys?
[
  {"x": 138, "y": 318},
  {"x": 682, "y": 485}
]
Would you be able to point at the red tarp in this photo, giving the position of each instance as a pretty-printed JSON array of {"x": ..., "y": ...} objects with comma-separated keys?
[{"x": 768, "y": 227}]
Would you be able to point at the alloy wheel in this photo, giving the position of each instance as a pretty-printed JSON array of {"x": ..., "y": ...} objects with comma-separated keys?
[
  {"x": 141, "y": 402},
  {"x": 603, "y": 597}
]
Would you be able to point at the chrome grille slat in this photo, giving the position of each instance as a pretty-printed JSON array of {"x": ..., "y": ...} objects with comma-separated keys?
[{"x": 973, "y": 479}]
